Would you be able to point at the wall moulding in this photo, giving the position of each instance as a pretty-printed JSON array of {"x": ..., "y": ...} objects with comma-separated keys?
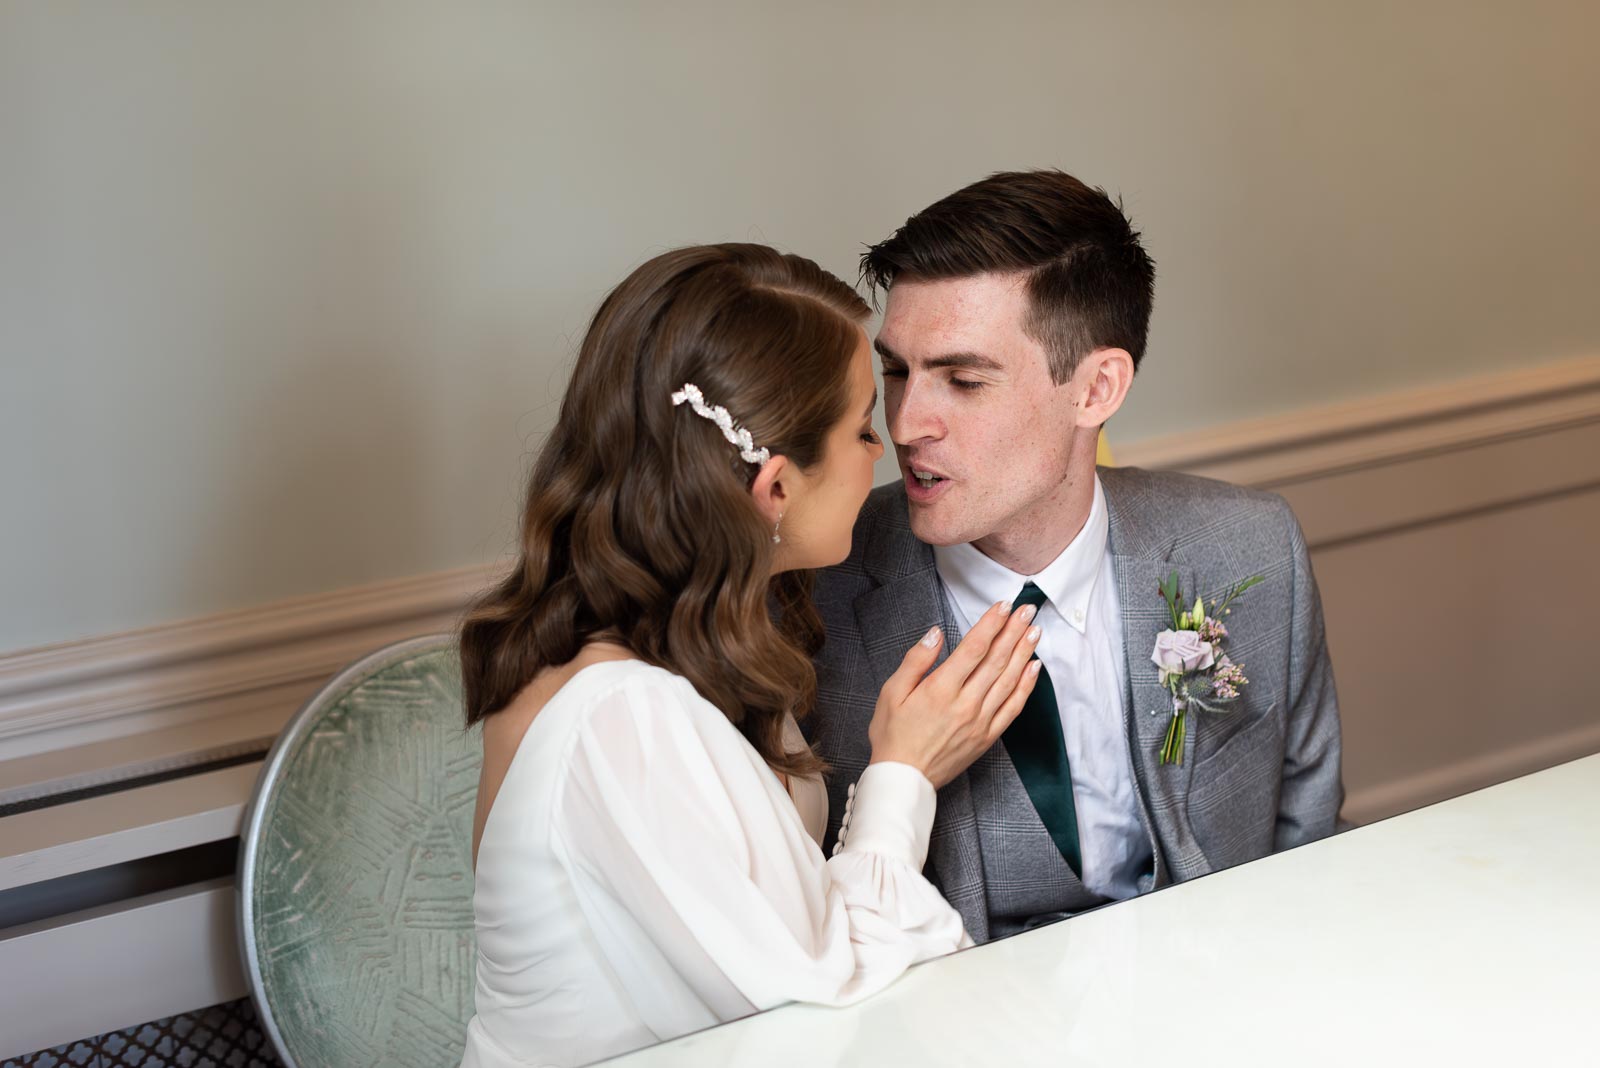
[
  {"x": 1391, "y": 428},
  {"x": 116, "y": 706},
  {"x": 249, "y": 667}
]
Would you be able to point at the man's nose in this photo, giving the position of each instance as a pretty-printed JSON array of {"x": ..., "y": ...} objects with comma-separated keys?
[{"x": 911, "y": 415}]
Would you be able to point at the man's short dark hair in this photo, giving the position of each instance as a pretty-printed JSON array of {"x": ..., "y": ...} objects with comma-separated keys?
[{"x": 1090, "y": 282}]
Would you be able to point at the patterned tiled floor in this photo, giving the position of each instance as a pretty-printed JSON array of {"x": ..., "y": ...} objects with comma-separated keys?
[{"x": 223, "y": 1036}]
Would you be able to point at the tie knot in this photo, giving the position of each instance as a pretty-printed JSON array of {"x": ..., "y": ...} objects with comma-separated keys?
[{"x": 1030, "y": 594}]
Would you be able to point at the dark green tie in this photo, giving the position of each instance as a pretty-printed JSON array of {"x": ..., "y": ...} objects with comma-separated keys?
[{"x": 1039, "y": 753}]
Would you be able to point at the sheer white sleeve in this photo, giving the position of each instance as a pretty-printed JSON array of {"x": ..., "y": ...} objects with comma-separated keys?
[{"x": 689, "y": 859}]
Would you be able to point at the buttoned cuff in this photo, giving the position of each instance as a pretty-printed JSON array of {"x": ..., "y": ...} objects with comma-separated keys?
[{"x": 888, "y": 811}]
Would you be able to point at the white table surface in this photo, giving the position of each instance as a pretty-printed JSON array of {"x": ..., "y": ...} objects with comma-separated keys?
[{"x": 1467, "y": 932}]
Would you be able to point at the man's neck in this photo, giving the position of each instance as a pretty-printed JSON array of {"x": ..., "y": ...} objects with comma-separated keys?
[{"x": 1029, "y": 540}]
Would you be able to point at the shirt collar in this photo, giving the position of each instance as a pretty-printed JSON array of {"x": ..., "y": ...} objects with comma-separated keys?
[{"x": 976, "y": 582}]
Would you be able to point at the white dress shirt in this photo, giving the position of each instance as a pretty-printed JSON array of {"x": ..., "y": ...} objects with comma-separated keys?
[
  {"x": 643, "y": 874},
  {"x": 1081, "y": 646}
]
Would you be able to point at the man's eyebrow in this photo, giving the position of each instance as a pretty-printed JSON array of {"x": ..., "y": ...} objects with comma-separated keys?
[
  {"x": 973, "y": 360},
  {"x": 872, "y": 404}
]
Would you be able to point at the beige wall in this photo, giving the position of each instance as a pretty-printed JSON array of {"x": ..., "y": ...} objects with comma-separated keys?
[{"x": 288, "y": 291}]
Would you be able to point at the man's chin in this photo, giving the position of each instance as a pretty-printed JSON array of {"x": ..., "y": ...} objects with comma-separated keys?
[{"x": 930, "y": 528}]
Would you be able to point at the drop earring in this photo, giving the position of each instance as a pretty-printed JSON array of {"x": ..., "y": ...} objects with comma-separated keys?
[{"x": 775, "y": 538}]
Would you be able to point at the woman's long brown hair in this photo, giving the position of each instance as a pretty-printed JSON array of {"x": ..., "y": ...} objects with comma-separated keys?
[{"x": 639, "y": 525}]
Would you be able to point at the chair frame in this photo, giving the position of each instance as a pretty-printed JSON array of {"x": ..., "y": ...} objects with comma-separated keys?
[{"x": 251, "y": 825}]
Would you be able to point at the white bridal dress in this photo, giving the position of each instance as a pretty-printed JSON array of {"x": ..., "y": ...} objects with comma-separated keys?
[{"x": 642, "y": 873}]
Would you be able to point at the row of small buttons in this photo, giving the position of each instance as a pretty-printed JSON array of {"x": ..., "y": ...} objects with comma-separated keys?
[{"x": 844, "y": 823}]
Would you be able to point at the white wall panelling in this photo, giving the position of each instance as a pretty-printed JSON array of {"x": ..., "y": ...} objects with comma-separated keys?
[{"x": 1491, "y": 481}]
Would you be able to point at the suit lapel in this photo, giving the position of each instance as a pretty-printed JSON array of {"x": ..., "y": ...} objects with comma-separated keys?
[
  {"x": 893, "y": 616},
  {"x": 1142, "y": 559}
]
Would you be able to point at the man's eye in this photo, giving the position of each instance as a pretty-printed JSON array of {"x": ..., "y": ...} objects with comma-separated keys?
[
  {"x": 966, "y": 385},
  {"x": 894, "y": 372}
]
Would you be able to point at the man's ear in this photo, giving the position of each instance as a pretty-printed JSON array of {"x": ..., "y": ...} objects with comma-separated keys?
[
  {"x": 772, "y": 497},
  {"x": 1106, "y": 375}
]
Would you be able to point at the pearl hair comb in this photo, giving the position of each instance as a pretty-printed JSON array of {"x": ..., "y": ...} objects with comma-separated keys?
[{"x": 736, "y": 435}]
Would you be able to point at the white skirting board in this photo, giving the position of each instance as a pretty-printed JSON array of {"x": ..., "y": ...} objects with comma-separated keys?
[
  {"x": 113, "y": 967},
  {"x": 96, "y": 832}
]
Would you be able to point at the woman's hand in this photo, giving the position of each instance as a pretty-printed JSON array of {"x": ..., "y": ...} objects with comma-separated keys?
[{"x": 941, "y": 722}]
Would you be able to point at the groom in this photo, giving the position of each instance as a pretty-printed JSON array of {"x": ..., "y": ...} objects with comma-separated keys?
[{"x": 1016, "y": 316}]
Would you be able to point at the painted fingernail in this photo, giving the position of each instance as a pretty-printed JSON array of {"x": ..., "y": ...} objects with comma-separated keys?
[
  {"x": 931, "y": 638},
  {"x": 1028, "y": 612},
  {"x": 1033, "y": 634},
  {"x": 1033, "y": 668},
  {"x": 1000, "y": 606}
]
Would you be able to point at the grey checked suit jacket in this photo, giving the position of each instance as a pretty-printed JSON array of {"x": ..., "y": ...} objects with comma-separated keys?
[{"x": 1259, "y": 778}]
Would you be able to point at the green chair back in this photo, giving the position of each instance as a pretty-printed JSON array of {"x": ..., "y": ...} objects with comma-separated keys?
[{"x": 355, "y": 881}]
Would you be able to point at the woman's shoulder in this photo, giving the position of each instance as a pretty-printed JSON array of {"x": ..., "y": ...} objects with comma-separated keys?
[
  {"x": 633, "y": 715},
  {"x": 591, "y": 676},
  {"x": 606, "y": 692},
  {"x": 551, "y": 709},
  {"x": 529, "y": 746},
  {"x": 637, "y": 727},
  {"x": 605, "y": 677},
  {"x": 612, "y": 706}
]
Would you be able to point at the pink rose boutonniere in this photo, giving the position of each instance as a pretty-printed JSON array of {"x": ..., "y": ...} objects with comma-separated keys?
[{"x": 1194, "y": 669}]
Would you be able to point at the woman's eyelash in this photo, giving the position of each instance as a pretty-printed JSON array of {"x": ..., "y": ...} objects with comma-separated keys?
[{"x": 870, "y": 436}]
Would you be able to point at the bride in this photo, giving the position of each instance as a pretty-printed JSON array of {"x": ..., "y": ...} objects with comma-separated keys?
[{"x": 649, "y": 816}]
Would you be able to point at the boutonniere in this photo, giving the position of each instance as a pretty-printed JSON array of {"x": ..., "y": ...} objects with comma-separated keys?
[{"x": 1194, "y": 669}]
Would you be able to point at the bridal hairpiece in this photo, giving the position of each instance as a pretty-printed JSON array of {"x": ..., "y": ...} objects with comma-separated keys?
[{"x": 736, "y": 435}]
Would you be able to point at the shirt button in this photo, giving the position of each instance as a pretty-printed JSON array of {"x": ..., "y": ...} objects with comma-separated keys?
[{"x": 1077, "y": 615}]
